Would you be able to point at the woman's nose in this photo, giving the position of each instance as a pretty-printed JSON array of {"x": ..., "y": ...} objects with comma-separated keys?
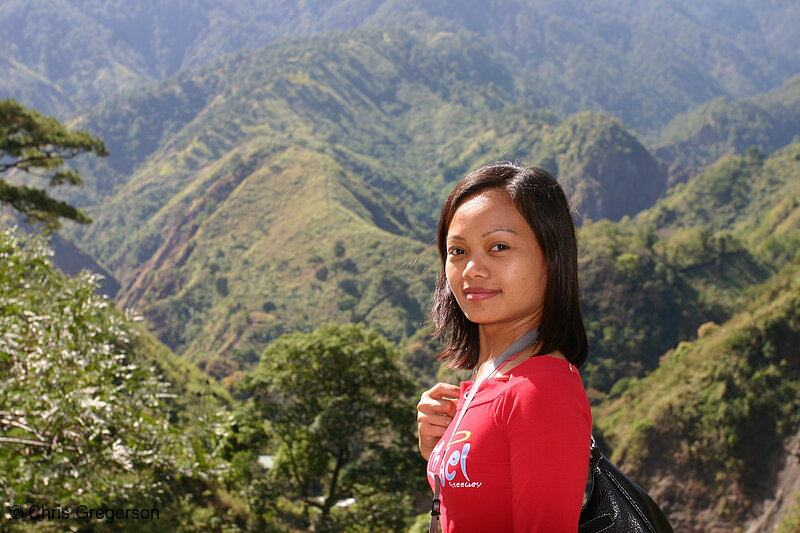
[{"x": 473, "y": 269}]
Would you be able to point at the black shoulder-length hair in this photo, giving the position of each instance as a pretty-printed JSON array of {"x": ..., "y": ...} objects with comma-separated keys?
[{"x": 541, "y": 200}]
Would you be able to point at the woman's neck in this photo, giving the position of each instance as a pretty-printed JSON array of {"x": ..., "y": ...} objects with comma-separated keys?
[{"x": 495, "y": 339}]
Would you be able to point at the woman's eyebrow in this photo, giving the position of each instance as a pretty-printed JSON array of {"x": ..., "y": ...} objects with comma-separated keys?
[{"x": 460, "y": 238}]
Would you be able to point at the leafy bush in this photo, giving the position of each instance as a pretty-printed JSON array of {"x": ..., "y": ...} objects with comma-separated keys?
[{"x": 84, "y": 417}]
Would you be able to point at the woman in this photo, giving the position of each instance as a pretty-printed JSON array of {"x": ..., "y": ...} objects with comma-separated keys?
[{"x": 518, "y": 460}]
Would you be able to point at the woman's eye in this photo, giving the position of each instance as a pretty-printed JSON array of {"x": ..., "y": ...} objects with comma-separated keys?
[{"x": 459, "y": 251}]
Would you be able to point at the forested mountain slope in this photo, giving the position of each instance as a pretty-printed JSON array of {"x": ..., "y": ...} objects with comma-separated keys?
[
  {"x": 706, "y": 431},
  {"x": 253, "y": 168},
  {"x": 643, "y": 62},
  {"x": 651, "y": 281},
  {"x": 767, "y": 121}
]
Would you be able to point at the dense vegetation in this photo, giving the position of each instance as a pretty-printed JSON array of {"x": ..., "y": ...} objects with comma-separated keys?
[
  {"x": 94, "y": 411},
  {"x": 717, "y": 411}
]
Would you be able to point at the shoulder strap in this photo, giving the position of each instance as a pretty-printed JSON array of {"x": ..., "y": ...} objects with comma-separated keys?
[{"x": 526, "y": 341}]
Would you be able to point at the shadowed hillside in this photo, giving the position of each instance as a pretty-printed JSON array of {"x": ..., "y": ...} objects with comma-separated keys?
[{"x": 651, "y": 281}]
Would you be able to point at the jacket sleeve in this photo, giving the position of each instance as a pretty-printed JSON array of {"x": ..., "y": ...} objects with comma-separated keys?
[{"x": 548, "y": 427}]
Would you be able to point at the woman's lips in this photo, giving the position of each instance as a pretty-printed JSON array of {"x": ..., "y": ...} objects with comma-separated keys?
[{"x": 480, "y": 295}]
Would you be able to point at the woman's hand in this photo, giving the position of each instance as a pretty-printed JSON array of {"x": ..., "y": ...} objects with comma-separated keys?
[{"x": 435, "y": 410}]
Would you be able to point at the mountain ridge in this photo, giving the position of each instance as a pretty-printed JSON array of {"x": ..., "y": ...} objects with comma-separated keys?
[
  {"x": 678, "y": 54},
  {"x": 389, "y": 154},
  {"x": 768, "y": 121}
]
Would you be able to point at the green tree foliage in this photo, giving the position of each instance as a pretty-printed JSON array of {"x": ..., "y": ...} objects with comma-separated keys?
[
  {"x": 40, "y": 146},
  {"x": 70, "y": 389},
  {"x": 336, "y": 403},
  {"x": 84, "y": 417}
]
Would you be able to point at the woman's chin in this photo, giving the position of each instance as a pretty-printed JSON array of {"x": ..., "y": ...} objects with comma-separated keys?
[{"x": 481, "y": 318}]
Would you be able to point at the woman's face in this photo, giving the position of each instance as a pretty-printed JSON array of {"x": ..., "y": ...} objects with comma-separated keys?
[{"x": 495, "y": 266}]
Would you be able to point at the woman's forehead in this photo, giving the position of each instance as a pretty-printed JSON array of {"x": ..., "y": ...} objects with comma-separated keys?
[{"x": 488, "y": 208}]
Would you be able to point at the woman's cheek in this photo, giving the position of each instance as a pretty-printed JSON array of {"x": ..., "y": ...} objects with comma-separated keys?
[{"x": 451, "y": 273}]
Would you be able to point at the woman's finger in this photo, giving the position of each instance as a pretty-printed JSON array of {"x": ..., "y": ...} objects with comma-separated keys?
[
  {"x": 437, "y": 420},
  {"x": 444, "y": 390},
  {"x": 441, "y": 398}
]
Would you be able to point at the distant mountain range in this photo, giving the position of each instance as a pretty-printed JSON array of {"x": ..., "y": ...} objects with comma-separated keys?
[
  {"x": 721, "y": 126},
  {"x": 643, "y": 62},
  {"x": 275, "y": 166},
  {"x": 252, "y": 168}
]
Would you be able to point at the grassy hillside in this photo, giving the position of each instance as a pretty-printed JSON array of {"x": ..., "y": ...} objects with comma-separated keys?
[
  {"x": 756, "y": 199},
  {"x": 706, "y": 429},
  {"x": 225, "y": 235},
  {"x": 268, "y": 257}
]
